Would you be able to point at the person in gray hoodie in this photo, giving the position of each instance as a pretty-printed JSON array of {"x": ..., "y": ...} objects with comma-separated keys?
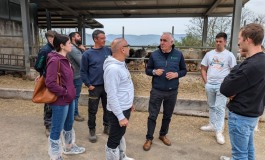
[
  {"x": 75, "y": 57},
  {"x": 120, "y": 94}
]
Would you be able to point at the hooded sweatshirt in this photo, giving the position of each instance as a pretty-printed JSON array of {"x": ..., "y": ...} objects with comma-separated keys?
[
  {"x": 65, "y": 91},
  {"x": 75, "y": 57},
  {"x": 118, "y": 86}
]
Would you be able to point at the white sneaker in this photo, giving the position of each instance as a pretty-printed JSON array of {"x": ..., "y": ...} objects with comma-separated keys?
[
  {"x": 74, "y": 150},
  {"x": 225, "y": 158},
  {"x": 257, "y": 127},
  {"x": 220, "y": 138},
  {"x": 208, "y": 128},
  {"x": 127, "y": 158}
]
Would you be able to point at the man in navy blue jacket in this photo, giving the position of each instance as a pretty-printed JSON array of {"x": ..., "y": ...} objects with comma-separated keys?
[
  {"x": 92, "y": 76},
  {"x": 166, "y": 65},
  {"x": 40, "y": 66}
]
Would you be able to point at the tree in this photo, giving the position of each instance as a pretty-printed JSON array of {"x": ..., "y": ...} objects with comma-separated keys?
[
  {"x": 248, "y": 16},
  {"x": 216, "y": 25},
  {"x": 189, "y": 40}
]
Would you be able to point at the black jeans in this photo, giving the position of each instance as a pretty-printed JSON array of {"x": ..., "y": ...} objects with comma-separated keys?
[
  {"x": 116, "y": 131},
  {"x": 156, "y": 98},
  {"x": 94, "y": 96},
  {"x": 47, "y": 116}
]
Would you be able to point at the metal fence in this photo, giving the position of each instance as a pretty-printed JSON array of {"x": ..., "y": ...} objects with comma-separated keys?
[{"x": 12, "y": 62}]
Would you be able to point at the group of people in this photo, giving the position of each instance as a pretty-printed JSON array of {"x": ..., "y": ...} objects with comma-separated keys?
[
  {"x": 242, "y": 84},
  {"x": 104, "y": 72}
]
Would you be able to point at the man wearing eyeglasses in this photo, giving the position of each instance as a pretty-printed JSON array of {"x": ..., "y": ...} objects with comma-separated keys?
[
  {"x": 92, "y": 76},
  {"x": 166, "y": 65},
  {"x": 120, "y": 93}
]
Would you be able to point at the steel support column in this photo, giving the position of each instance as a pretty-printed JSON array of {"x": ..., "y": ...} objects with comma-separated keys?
[
  {"x": 205, "y": 30},
  {"x": 235, "y": 26},
  {"x": 82, "y": 29},
  {"x": 48, "y": 21},
  {"x": 84, "y": 35},
  {"x": 26, "y": 33},
  {"x": 122, "y": 31},
  {"x": 80, "y": 24}
]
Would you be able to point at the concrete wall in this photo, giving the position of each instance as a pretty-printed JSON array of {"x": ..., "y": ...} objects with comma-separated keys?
[
  {"x": 183, "y": 107},
  {"x": 11, "y": 40}
]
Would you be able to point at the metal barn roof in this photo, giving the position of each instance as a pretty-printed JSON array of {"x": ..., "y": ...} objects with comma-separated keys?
[{"x": 65, "y": 13}]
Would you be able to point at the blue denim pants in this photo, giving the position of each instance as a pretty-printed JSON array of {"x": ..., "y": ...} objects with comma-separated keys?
[
  {"x": 217, "y": 103},
  {"x": 78, "y": 86},
  {"x": 62, "y": 118},
  {"x": 241, "y": 132}
]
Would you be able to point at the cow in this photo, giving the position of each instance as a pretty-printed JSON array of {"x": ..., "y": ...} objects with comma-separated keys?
[{"x": 133, "y": 61}]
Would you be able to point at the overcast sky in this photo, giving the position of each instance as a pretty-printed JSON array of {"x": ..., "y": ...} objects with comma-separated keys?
[{"x": 142, "y": 26}]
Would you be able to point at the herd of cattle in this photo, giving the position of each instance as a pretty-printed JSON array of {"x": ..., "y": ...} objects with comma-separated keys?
[{"x": 138, "y": 58}]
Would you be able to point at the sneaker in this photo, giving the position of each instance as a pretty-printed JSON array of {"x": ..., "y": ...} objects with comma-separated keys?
[
  {"x": 220, "y": 138},
  {"x": 92, "y": 135},
  {"x": 58, "y": 158},
  {"x": 106, "y": 130},
  {"x": 124, "y": 157},
  {"x": 225, "y": 158},
  {"x": 47, "y": 132},
  {"x": 257, "y": 127},
  {"x": 79, "y": 118},
  {"x": 208, "y": 128},
  {"x": 74, "y": 150}
]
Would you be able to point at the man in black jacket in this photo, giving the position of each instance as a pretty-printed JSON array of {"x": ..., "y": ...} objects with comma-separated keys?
[
  {"x": 245, "y": 86},
  {"x": 40, "y": 66},
  {"x": 166, "y": 65}
]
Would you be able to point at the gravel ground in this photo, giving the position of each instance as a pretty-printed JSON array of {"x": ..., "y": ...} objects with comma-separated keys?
[{"x": 23, "y": 138}]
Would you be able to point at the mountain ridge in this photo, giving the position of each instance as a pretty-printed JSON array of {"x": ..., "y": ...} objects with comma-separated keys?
[{"x": 135, "y": 40}]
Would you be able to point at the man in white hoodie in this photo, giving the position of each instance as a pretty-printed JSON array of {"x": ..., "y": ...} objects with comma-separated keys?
[{"x": 120, "y": 94}]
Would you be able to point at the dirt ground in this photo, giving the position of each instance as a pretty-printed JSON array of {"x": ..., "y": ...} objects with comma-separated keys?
[
  {"x": 191, "y": 86},
  {"x": 22, "y": 136},
  {"x": 22, "y": 130}
]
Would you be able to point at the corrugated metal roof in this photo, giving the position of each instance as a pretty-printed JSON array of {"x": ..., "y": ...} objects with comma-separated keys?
[{"x": 65, "y": 13}]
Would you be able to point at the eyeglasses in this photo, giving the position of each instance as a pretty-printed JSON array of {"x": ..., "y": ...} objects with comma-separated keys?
[{"x": 126, "y": 46}]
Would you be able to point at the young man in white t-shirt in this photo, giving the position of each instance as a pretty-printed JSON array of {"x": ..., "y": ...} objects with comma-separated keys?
[{"x": 215, "y": 66}]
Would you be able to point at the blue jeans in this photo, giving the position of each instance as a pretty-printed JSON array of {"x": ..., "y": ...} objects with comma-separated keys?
[
  {"x": 241, "y": 132},
  {"x": 78, "y": 87},
  {"x": 62, "y": 118},
  {"x": 217, "y": 103}
]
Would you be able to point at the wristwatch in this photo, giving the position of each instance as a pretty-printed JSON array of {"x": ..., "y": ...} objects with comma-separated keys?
[{"x": 154, "y": 72}]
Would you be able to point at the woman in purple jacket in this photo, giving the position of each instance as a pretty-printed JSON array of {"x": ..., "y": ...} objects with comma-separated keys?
[{"x": 63, "y": 107}]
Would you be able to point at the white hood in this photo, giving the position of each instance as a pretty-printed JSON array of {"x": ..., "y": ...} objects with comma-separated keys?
[{"x": 110, "y": 60}]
